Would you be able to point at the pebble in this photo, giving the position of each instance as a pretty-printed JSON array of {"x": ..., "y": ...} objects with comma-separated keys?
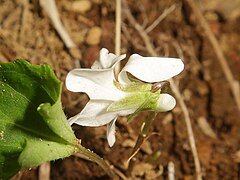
[
  {"x": 97, "y": 1},
  {"x": 202, "y": 89},
  {"x": 94, "y": 36},
  {"x": 81, "y": 6}
]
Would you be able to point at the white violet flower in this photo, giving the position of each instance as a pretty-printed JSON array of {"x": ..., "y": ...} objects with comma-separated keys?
[{"x": 130, "y": 93}]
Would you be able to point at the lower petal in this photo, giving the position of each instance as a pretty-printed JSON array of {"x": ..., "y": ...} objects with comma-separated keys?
[
  {"x": 95, "y": 114},
  {"x": 111, "y": 127}
]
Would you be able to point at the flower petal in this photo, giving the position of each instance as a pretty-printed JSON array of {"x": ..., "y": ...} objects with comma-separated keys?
[
  {"x": 95, "y": 114},
  {"x": 151, "y": 69},
  {"x": 111, "y": 127},
  {"x": 98, "y": 84},
  {"x": 165, "y": 103},
  {"x": 107, "y": 60}
]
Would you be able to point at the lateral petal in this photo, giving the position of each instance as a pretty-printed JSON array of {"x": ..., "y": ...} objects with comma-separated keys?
[{"x": 97, "y": 84}]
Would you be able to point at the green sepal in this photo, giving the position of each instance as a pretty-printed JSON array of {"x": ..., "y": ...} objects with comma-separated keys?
[
  {"x": 133, "y": 87},
  {"x": 149, "y": 104},
  {"x": 138, "y": 100},
  {"x": 132, "y": 100}
]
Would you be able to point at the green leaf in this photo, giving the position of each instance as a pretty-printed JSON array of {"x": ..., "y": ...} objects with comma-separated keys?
[{"x": 33, "y": 127}]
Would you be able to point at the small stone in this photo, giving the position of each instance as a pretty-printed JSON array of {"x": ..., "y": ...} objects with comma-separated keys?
[
  {"x": 81, "y": 6},
  {"x": 187, "y": 94},
  {"x": 202, "y": 89},
  {"x": 97, "y": 1},
  {"x": 94, "y": 36},
  {"x": 236, "y": 156}
]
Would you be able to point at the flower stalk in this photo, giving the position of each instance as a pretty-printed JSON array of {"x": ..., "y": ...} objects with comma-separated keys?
[
  {"x": 95, "y": 158},
  {"x": 143, "y": 133}
]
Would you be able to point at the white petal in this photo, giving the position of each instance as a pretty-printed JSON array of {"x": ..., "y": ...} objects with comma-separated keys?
[
  {"x": 151, "y": 69},
  {"x": 94, "y": 114},
  {"x": 96, "y": 65},
  {"x": 98, "y": 84},
  {"x": 165, "y": 103},
  {"x": 111, "y": 127},
  {"x": 107, "y": 60}
]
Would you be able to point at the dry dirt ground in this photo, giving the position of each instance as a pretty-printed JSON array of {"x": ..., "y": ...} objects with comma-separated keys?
[{"x": 27, "y": 32}]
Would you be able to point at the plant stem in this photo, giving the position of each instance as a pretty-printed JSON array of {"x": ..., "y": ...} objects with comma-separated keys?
[
  {"x": 143, "y": 134},
  {"x": 148, "y": 123},
  {"x": 97, "y": 159},
  {"x": 144, "y": 131}
]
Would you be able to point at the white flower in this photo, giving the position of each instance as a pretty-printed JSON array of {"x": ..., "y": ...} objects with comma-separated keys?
[{"x": 110, "y": 98}]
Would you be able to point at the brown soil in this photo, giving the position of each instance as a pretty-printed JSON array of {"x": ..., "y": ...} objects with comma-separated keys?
[{"x": 27, "y": 32}]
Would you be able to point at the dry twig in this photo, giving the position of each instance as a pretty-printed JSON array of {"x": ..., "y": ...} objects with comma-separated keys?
[
  {"x": 129, "y": 38},
  {"x": 44, "y": 171},
  {"x": 118, "y": 32},
  {"x": 171, "y": 171},
  {"x": 50, "y": 7},
  {"x": 165, "y": 13},
  {"x": 222, "y": 60},
  {"x": 118, "y": 27},
  {"x": 25, "y": 11},
  {"x": 152, "y": 52}
]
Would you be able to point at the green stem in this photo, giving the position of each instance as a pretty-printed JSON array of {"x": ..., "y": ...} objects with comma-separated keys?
[
  {"x": 97, "y": 159},
  {"x": 148, "y": 123},
  {"x": 144, "y": 131}
]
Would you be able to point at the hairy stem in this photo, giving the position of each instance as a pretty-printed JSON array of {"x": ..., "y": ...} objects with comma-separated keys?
[{"x": 97, "y": 159}]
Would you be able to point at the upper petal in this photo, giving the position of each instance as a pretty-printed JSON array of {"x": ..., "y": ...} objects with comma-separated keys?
[
  {"x": 107, "y": 60},
  {"x": 151, "y": 69},
  {"x": 98, "y": 84}
]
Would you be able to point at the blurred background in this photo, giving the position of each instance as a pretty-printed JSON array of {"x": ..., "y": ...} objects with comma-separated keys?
[{"x": 173, "y": 28}]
